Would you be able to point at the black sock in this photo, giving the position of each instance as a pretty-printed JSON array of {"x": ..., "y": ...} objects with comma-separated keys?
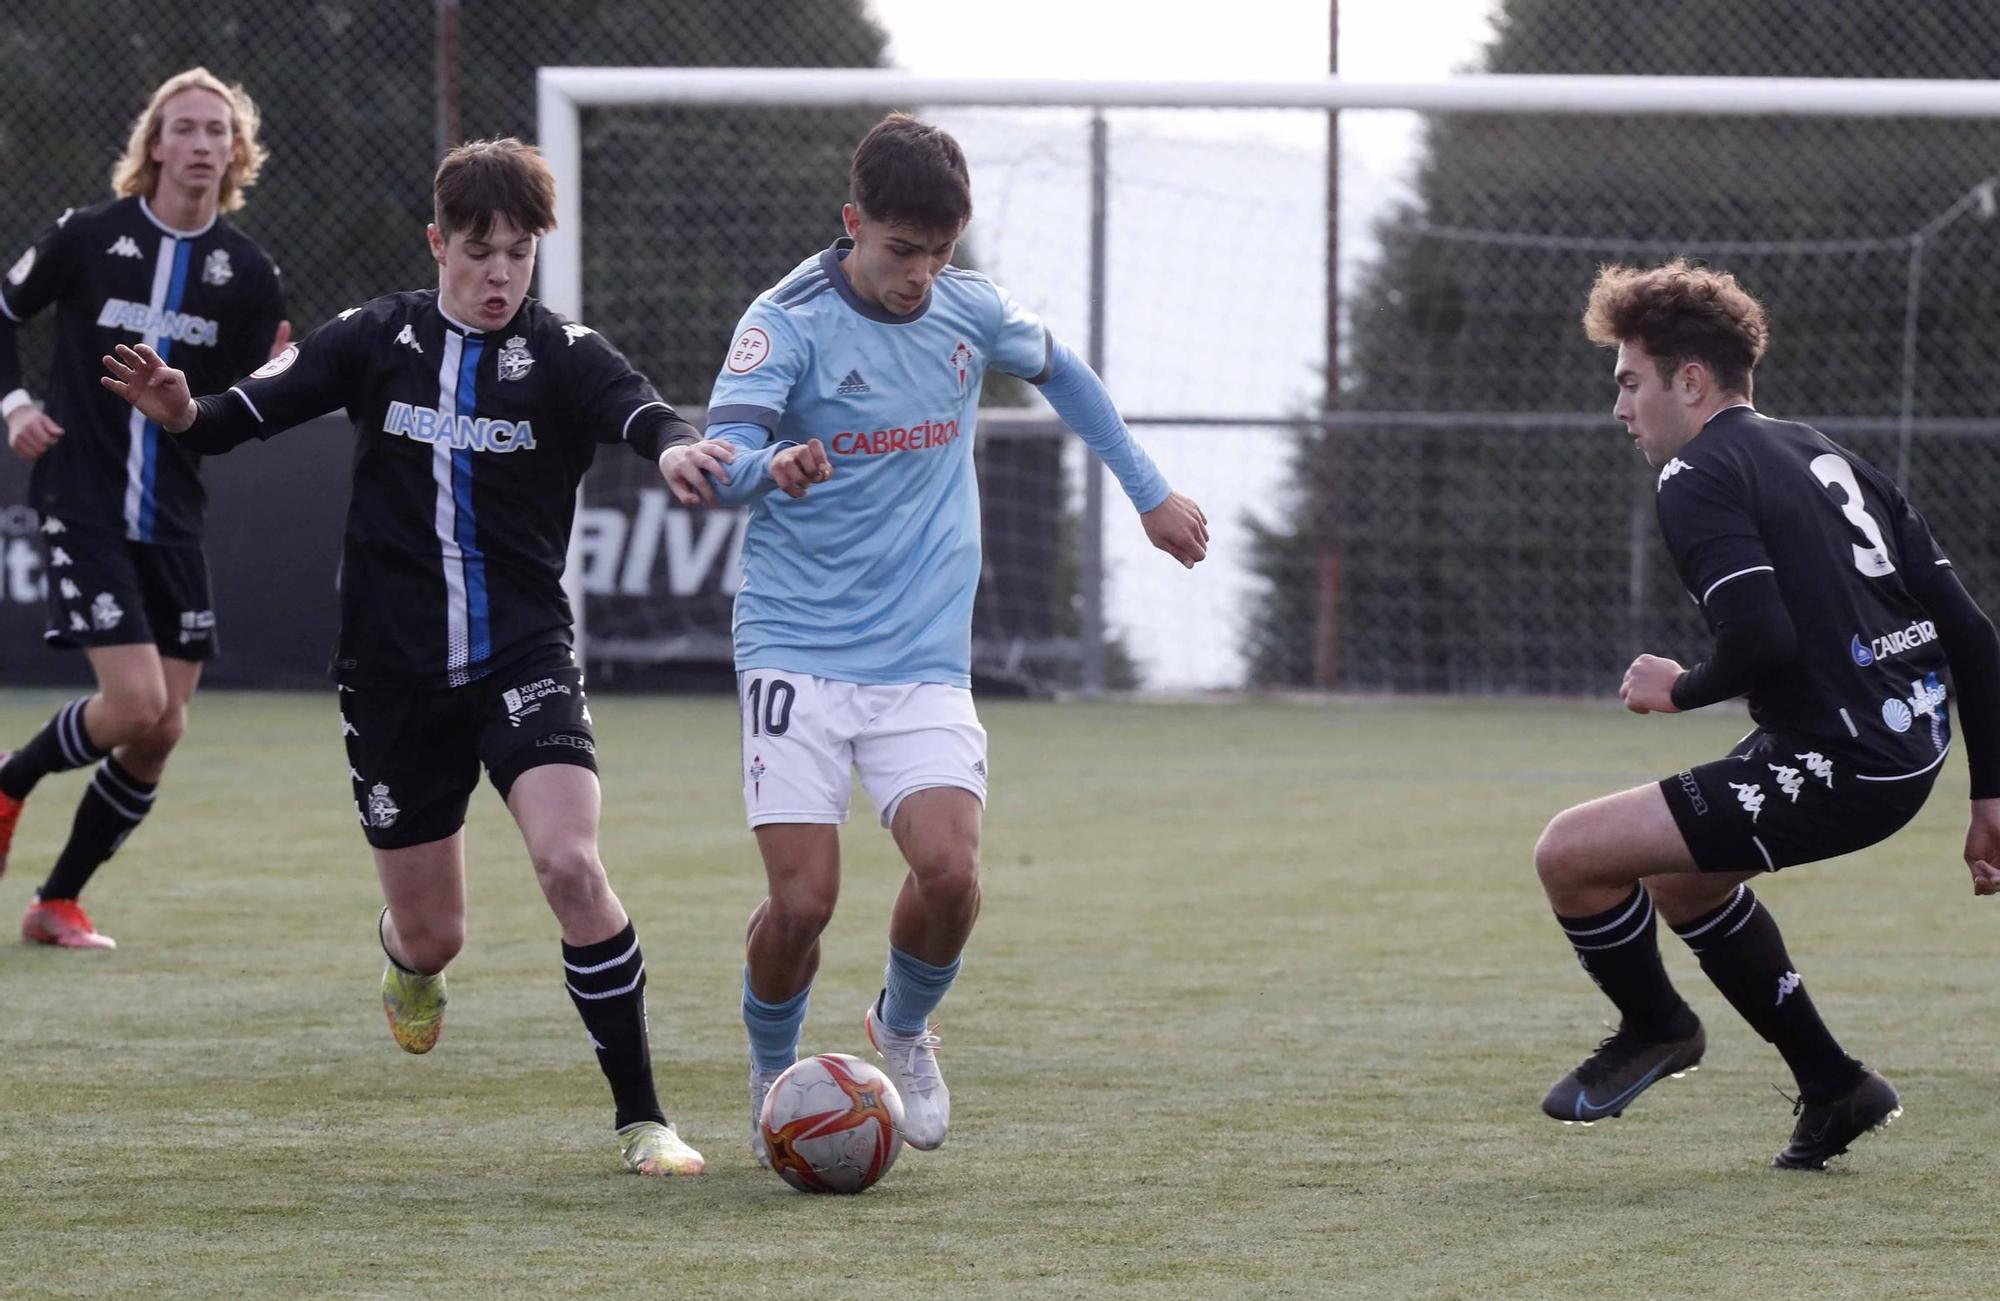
[
  {"x": 1619, "y": 948},
  {"x": 62, "y": 744},
  {"x": 1742, "y": 952},
  {"x": 607, "y": 982},
  {"x": 113, "y": 805}
]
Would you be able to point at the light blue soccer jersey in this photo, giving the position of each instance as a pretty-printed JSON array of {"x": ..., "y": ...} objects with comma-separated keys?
[{"x": 870, "y": 577}]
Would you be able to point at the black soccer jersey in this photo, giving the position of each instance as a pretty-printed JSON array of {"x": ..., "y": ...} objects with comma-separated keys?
[
  {"x": 1752, "y": 495},
  {"x": 208, "y": 301},
  {"x": 470, "y": 447}
]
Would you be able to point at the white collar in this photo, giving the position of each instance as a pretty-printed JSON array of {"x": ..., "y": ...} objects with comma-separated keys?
[{"x": 154, "y": 217}]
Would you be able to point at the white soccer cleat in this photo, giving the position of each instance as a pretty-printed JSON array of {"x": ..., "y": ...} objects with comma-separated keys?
[
  {"x": 911, "y": 1061},
  {"x": 760, "y": 1085}
]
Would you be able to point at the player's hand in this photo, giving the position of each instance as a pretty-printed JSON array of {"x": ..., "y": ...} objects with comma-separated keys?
[
  {"x": 1648, "y": 687},
  {"x": 148, "y": 383},
  {"x": 1177, "y": 527},
  {"x": 1982, "y": 847},
  {"x": 687, "y": 469},
  {"x": 282, "y": 339},
  {"x": 797, "y": 468},
  {"x": 30, "y": 432}
]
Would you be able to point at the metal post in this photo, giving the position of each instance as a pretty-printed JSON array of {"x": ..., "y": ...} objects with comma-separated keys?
[
  {"x": 1327, "y": 561},
  {"x": 449, "y": 136},
  {"x": 1912, "y": 303},
  {"x": 1091, "y": 562}
]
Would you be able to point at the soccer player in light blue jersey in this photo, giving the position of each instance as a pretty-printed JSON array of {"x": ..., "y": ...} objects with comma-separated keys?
[{"x": 851, "y": 394}]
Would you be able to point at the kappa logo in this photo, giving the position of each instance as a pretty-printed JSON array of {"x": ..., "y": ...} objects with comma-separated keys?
[
  {"x": 70, "y": 591},
  {"x": 18, "y": 273},
  {"x": 515, "y": 359},
  {"x": 105, "y": 612},
  {"x": 1788, "y": 984},
  {"x": 1751, "y": 796},
  {"x": 59, "y": 559},
  {"x": 77, "y": 623},
  {"x": 1790, "y": 780},
  {"x": 1818, "y": 765},
  {"x": 348, "y": 729},
  {"x": 408, "y": 338},
  {"x": 567, "y": 741},
  {"x": 216, "y": 270},
  {"x": 382, "y": 810},
  {"x": 1673, "y": 467},
  {"x": 53, "y": 526},
  {"x": 124, "y": 247},
  {"x": 852, "y": 384},
  {"x": 349, "y": 312},
  {"x": 1692, "y": 789},
  {"x": 573, "y": 332}
]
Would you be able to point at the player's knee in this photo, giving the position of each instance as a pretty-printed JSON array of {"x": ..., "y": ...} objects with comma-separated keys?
[
  {"x": 158, "y": 741},
  {"x": 1557, "y": 861},
  {"x": 570, "y": 872},
  {"x": 949, "y": 878},
  {"x": 430, "y": 943},
  {"x": 131, "y": 711},
  {"x": 796, "y": 918}
]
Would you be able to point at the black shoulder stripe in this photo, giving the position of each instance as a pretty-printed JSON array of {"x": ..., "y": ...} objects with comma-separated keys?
[
  {"x": 799, "y": 288},
  {"x": 800, "y": 301}
]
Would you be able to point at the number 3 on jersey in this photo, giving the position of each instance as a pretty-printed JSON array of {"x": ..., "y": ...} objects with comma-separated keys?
[
  {"x": 1834, "y": 471},
  {"x": 770, "y": 710}
]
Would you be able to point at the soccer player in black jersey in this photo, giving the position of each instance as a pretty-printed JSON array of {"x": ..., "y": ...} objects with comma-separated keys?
[
  {"x": 1834, "y": 611},
  {"x": 476, "y": 412},
  {"x": 121, "y": 507}
]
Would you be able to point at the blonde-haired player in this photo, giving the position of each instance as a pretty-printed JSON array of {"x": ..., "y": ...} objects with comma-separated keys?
[{"x": 121, "y": 508}]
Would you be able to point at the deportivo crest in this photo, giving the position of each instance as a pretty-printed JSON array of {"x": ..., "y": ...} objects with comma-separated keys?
[
  {"x": 19, "y": 271},
  {"x": 105, "y": 612},
  {"x": 216, "y": 270},
  {"x": 515, "y": 359},
  {"x": 382, "y": 811}
]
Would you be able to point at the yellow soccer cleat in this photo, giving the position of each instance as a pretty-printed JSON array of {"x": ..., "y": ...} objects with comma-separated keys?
[
  {"x": 415, "y": 1007},
  {"x": 651, "y": 1148}
]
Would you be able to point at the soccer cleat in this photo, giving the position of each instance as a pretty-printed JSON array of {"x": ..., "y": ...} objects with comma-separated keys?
[
  {"x": 650, "y": 1148},
  {"x": 62, "y": 923},
  {"x": 1624, "y": 1065},
  {"x": 415, "y": 1007},
  {"x": 1825, "y": 1129},
  {"x": 911, "y": 1061},
  {"x": 10, "y": 814},
  {"x": 760, "y": 1085}
]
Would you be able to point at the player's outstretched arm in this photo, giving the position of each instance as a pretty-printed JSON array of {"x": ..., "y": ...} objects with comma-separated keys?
[{"x": 159, "y": 391}]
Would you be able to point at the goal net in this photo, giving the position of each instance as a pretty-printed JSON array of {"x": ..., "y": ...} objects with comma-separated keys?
[{"x": 1456, "y": 511}]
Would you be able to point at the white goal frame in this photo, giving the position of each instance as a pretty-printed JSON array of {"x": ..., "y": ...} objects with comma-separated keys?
[{"x": 562, "y": 93}]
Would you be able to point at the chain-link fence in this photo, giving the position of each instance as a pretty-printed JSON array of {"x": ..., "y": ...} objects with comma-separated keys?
[{"x": 1465, "y": 517}]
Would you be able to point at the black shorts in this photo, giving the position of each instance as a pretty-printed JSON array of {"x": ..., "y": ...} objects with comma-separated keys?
[
  {"x": 105, "y": 590},
  {"x": 1775, "y": 803},
  {"x": 414, "y": 754}
]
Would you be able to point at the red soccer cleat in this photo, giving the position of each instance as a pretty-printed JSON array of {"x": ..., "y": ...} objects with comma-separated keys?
[{"x": 62, "y": 923}]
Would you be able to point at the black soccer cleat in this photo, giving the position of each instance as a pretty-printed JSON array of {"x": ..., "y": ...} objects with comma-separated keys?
[
  {"x": 1825, "y": 1129},
  {"x": 1622, "y": 1068}
]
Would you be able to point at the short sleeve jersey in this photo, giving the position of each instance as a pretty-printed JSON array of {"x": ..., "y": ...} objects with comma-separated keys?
[
  {"x": 208, "y": 301},
  {"x": 870, "y": 577},
  {"x": 1750, "y": 495},
  {"x": 469, "y": 448}
]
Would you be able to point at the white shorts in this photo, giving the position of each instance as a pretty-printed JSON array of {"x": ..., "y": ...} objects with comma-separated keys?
[{"x": 802, "y": 735}]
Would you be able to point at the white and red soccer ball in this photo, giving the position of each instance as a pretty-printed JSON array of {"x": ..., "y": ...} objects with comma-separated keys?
[{"x": 834, "y": 1124}]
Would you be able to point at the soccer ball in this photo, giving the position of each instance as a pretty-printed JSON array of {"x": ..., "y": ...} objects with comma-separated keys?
[{"x": 834, "y": 1124}]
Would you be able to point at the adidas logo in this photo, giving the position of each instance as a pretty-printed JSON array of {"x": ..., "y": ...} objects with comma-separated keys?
[
  {"x": 124, "y": 246},
  {"x": 852, "y": 384}
]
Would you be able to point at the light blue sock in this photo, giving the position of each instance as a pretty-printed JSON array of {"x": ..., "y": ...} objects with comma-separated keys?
[
  {"x": 774, "y": 1027},
  {"x": 911, "y": 991}
]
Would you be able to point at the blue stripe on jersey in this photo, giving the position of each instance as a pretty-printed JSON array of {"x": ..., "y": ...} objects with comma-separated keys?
[
  {"x": 150, "y": 474},
  {"x": 805, "y": 283},
  {"x": 479, "y": 622}
]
